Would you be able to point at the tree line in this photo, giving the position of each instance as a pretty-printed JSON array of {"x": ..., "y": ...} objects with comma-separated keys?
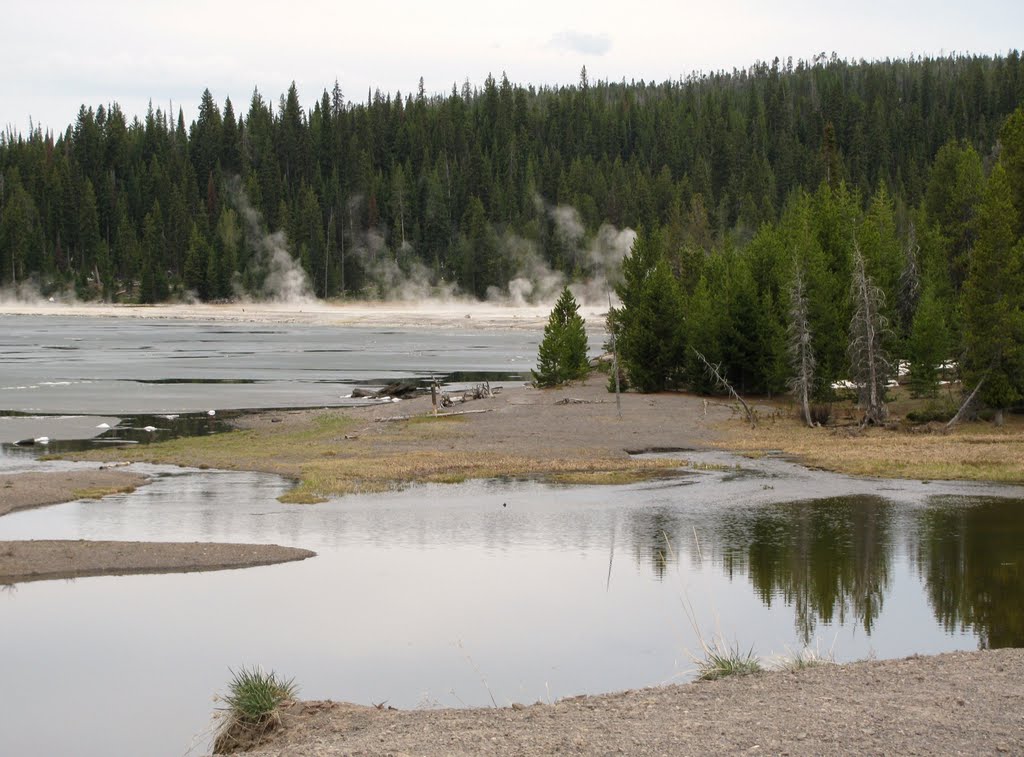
[
  {"x": 713, "y": 167},
  {"x": 839, "y": 288}
]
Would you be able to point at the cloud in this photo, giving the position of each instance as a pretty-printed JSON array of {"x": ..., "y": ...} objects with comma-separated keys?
[{"x": 581, "y": 42}]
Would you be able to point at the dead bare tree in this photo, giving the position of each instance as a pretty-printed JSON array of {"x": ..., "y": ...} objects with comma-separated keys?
[
  {"x": 910, "y": 282},
  {"x": 801, "y": 353},
  {"x": 967, "y": 404},
  {"x": 611, "y": 326},
  {"x": 715, "y": 372},
  {"x": 869, "y": 365}
]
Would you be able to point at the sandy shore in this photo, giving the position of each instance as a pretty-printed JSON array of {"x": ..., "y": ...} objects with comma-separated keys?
[
  {"x": 22, "y": 561},
  {"x": 962, "y": 703}
]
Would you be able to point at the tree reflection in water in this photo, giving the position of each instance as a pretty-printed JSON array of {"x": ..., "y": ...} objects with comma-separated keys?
[
  {"x": 969, "y": 553},
  {"x": 828, "y": 558}
]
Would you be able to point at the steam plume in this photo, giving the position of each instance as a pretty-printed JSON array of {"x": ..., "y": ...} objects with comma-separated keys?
[{"x": 284, "y": 279}]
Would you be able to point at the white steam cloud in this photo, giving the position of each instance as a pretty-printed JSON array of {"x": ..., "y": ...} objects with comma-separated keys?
[
  {"x": 284, "y": 280},
  {"x": 537, "y": 283}
]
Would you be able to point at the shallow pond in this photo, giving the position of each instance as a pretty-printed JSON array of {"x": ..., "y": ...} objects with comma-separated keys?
[{"x": 488, "y": 593}]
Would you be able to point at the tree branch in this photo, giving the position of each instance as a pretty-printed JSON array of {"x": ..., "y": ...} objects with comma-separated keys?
[{"x": 723, "y": 382}]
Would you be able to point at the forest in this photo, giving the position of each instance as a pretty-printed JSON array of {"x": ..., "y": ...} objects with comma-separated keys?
[{"x": 757, "y": 197}]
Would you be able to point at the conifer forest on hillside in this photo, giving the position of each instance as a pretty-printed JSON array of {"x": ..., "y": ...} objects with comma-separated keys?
[{"x": 803, "y": 213}]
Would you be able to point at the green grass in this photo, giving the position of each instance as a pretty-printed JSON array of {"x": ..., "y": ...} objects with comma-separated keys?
[
  {"x": 722, "y": 661},
  {"x": 253, "y": 704}
]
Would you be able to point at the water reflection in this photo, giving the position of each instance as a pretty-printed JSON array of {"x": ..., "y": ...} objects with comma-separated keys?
[
  {"x": 969, "y": 555},
  {"x": 551, "y": 591},
  {"x": 829, "y": 559}
]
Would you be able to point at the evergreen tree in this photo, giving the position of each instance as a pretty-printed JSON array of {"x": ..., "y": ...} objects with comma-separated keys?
[
  {"x": 18, "y": 230},
  {"x": 562, "y": 355},
  {"x": 928, "y": 346},
  {"x": 993, "y": 301},
  {"x": 197, "y": 262},
  {"x": 649, "y": 325}
]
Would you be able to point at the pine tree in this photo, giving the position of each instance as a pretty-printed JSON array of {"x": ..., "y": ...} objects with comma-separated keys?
[
  {"x": 993, "y": 301},
  {"x": 562, "y": 355},
  {"x": 196, "y": 263},
  {"x": 649, "y": 325},
  {"x": 928, "y": 345}
]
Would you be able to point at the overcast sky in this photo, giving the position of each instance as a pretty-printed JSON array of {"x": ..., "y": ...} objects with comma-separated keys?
[{"x": 57, "y": 55}]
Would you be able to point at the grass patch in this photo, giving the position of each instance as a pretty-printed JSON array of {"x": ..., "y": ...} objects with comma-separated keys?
[
  {"x": 333, "y": 454},
  {"x": 722, "y": 661},
  {"x": 99, "y": 492},
  {"x": 253, "y": 704},
  {"x": 972, "y": 452}
]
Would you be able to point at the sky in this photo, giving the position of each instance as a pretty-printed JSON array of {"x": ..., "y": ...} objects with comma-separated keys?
[{"x": 58, "y": 55}]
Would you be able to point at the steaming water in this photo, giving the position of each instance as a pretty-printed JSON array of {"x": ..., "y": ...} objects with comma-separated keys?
[{"x": 451, "y": 595}]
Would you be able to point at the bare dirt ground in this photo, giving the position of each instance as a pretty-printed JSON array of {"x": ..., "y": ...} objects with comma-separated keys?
[
  {"x": 961, "y": 703},
  {"x": 580, "y": 421},
  {"x": 22, "y": 561}
]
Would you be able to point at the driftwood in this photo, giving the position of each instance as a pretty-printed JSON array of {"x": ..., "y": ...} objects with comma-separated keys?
[
  {"x": 396, "y": 389},
  {"x": 715, "y": 373}
]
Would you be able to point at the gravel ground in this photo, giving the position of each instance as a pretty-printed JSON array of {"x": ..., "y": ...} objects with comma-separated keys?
[{"x": 960, "y": 703}]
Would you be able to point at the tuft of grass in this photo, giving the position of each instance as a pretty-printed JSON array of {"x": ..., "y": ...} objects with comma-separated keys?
[
  {"x": 802, "y": 660},
  {"x": 722, "y": 661},
  {"x": 253, "y": 702}
]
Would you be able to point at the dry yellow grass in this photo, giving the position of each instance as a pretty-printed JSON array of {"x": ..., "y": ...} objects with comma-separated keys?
[{"x": 971, "y": 452}]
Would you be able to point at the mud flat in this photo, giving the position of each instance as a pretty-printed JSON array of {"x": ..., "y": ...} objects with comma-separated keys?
[
  {"x": 23, "y": 561},
  {"x": 960, "y": 703},
  {"x": 19, "y": 491}
]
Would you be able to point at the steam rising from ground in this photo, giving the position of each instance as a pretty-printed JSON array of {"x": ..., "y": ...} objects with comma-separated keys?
[
  {"x": 391, "y": 282},
  {"x": 402, "y": 277},
  {"x": 284, "y": 281},
  {"x": 30, "y": 293},
  {"x": 600, "y": 258}
]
